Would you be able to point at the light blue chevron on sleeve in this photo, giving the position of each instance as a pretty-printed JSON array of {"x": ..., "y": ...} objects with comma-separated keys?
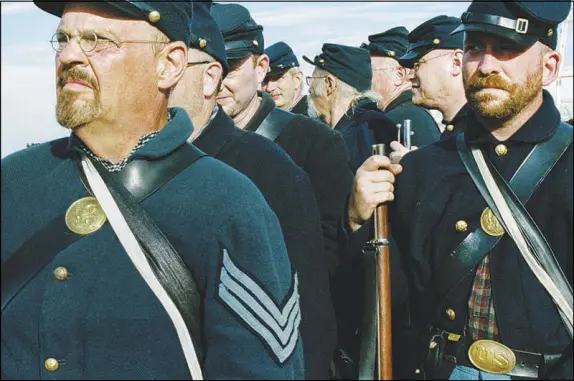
[{"x": 277, "y": 327}]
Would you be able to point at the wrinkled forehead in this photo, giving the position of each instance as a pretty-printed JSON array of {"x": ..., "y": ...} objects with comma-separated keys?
[{"x": 79, "y": 17}]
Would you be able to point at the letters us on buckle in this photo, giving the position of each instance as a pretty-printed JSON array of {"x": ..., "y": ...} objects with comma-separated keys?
[
  {"x": 521, "y": 26},
  {"x": 491, "y": 356}
]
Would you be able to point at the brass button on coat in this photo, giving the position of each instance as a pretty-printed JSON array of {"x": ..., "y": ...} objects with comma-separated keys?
[
  {"x": 461, "y": 226},
  {"x": 51, "y": 364},
  {"x": 450, "y": 127},
  {"x": 500, "y": 150},
  {"x": 154, "y": 16},
  {"x": 61, "y": 273},
  {"x": 450, "y": 313}
]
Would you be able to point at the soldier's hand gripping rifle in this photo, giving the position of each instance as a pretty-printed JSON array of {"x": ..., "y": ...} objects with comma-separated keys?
[{"x": 376, "y": 348}]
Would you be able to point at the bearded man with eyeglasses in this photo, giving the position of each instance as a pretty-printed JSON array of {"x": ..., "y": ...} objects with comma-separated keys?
[{"x": 77, "y": 301}]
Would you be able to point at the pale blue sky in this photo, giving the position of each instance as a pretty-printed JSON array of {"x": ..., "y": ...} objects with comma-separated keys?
[{"x": 28, "y": 79}]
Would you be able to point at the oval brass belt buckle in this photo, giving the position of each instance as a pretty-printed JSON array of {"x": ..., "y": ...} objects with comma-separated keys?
[
  {"x": 85, "y": 216},
  {"x": 491, "y": 356}
]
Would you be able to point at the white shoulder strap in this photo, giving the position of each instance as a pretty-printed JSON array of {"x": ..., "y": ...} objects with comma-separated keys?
[
  {"x": 561, "y": 301},
  {"x": 134, "y": 251}
]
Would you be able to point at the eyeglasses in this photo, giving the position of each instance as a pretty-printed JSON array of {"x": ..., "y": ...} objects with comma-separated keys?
[
  {"x": 309, "y": 80},
  {"x": 423, "y": 61},
  {"x": 198, "y": 63},
  {"x": 90, "y": 41}
]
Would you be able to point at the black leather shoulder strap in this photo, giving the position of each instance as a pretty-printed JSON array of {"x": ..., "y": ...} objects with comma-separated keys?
[
  {"x": 141, "y": 178},
  {"x": 274, "y": 123},
  {"x": 168, "y": 266},
  {"x": 468, "y": 254}
]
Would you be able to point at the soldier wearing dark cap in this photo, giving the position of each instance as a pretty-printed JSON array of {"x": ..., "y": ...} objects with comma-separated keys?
[
  {"x": 435, "y": 59},
  {"x": 340, "y": 94},
  {"x": 181, "y": 282},
  {"x": 484, "y": 219},
  {"x": 320, "y": 151},
  {"x": 285, "y": 186},
  {"x": 284, "y": 81},
  {"x": 390, "y": 80}
]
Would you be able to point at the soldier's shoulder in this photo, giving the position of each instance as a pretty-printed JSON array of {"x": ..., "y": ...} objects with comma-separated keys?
[
  {"x": 37, "y": 158},
  {"x": 220, "y": 183},
  {"x": 272, "y": 160}
]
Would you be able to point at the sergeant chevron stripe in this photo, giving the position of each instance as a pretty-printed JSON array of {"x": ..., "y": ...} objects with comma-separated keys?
[{"x": 277, "y": 328}]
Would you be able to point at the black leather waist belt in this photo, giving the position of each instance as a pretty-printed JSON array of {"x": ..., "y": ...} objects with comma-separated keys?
[{"x": 495, "y": 357}]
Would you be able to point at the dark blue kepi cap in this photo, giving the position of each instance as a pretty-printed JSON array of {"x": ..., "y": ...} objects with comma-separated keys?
[
  {"x": 281, "y": 58},
  {"x": 241, "y": 34},
  {"x": 350, "y": 64},
  {"x": 522, "y": 22},
  {"x": 173, "y": 18},
  {"x": 205, "y": 34},
  {"x": 430, "y": 35},
  {"x": 391, "y": 43}
]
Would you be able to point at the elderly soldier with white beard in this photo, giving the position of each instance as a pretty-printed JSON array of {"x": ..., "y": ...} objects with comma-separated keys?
[
  {"x": 284, "y": 81},
  {"x": 340, "y": 95},
  {"x": 484, "y": 218}
]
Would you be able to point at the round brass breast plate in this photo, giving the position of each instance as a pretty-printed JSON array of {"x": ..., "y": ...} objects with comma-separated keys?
[
  {"x": 85, "y": 216},
  {"x": 490, "y": 223}
]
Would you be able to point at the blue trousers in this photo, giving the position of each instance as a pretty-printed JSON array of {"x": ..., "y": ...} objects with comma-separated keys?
[{"x": 466, "y": 373}]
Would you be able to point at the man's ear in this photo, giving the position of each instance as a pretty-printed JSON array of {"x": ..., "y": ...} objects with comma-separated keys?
[
  {"x": 456, "y": 68},
  {"x": 551, "y": 63},
  {"x": 400, "y": 76},
  {"x": 262, "y": 68},
  {"x": 298, "y": 80},
  {"x": 331, "y": 84},
  {"x": 171, "y": 64},
  {"x": 212, "y": 77}
]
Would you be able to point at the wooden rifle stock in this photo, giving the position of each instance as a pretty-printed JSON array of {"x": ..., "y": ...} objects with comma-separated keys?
[{"x": 381, "y": 243}]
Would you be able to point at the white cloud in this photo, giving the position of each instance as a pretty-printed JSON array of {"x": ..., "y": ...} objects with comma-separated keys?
[{"x": 17, "y": 7}]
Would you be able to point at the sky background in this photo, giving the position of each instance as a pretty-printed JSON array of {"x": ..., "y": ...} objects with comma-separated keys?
[{"x": 28, "y": 69}]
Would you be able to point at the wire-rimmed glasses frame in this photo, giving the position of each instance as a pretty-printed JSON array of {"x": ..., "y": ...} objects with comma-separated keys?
[
  {"x": 89, "y": 41},
  {"x": 423, "y": 61},
  {"x": 309, "y": 79}
]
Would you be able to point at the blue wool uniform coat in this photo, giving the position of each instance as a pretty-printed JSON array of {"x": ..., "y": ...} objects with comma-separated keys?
[
  {"x": 362, "y": 126},
  {"x": 287, "y": 189},
  {"x": 425, "y": 129},
  {"x": 103, "y": 322},
  {"x": 434, "y": 191}
]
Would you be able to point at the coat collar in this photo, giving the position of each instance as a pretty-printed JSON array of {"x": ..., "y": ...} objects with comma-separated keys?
[
  {"x": 362, "y": 106},
  {"x": 403, "y": 98},
  {"x": 216, "y": 134},
  {"x": 170, "y": 137},
  {"x": 264, "y": 109}
]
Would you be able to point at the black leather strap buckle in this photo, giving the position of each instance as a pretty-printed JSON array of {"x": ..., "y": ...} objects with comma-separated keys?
[{"x": 520, "y": 25}]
